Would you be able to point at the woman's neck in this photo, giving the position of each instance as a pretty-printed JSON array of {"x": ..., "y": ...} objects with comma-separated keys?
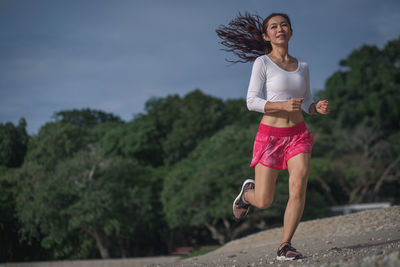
[{"x": 280, "y": 53}]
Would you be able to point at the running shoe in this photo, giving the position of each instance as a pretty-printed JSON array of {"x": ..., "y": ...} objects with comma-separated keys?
[
  {"x": 287, "y": 253},
  {"x": 240, "y": 207}
]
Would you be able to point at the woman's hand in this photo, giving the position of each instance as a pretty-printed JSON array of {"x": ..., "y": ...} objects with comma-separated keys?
[
  {"x": 322, "y": 107},
  {"x": 294, "y": 104}
]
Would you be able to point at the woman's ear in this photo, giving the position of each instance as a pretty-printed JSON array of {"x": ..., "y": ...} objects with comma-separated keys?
[{"x": 265, "y": 37}]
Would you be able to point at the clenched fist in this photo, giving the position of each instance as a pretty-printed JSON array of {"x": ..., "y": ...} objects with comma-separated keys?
[
  {"x": 294, "y": 104},
  {"x": 322, "y": 107}
]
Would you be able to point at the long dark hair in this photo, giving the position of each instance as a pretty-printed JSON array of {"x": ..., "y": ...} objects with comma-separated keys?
[{"x": 243, "y": 36}]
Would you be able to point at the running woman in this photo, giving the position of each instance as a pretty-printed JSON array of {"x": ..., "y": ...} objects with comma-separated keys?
[{"x": 279, "y": 88}]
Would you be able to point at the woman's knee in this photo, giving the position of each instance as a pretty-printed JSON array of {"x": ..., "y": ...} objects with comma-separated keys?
[
  {"x": 298, "y": 185},
  {"x": 297, "y": 193},
  {"x": 264, "y": 202}
]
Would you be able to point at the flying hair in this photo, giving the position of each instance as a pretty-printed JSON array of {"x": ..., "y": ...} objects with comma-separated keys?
[{"x": 243, "y": 36}]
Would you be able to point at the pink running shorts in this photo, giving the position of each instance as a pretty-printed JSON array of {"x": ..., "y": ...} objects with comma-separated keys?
[{"x": 274, "y": 146}]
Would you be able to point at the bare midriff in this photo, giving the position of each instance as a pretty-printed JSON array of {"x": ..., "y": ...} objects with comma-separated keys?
[{"x": 283, "y": 119}]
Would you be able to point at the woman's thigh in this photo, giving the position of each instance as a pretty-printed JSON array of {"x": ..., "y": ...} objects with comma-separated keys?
[
  {"x": 265, "y": 179},
  {"x": 299, "y": 170}
]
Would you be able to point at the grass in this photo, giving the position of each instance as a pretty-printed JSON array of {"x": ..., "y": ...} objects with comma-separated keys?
[{"x": 199, "y": 252}]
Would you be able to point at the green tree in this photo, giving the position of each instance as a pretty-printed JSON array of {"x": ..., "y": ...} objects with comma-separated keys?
[
  {"x": 356, "y": 140},
  {"x": 13, "y": 143},
  {"x": 13, "y": 146},
  {"x": 55, "y": 142},
  {"x": 367, "y": 162},
  {"x": 200, "y": 117},
  {"x": 71, "y": 131},
  {"x": 11, "y": 247},
  {"x": 236, "y": 112},
  {"x": 365, "y": 90},
  {"x": 85, "y": 117},
  {"x": 181, "y": 123},
  {"x": 137, "y": 139},
  {"x": 163, "y": 112},
  {"x": 198, "y": 190},
  {"x": 87, "y": 200}
]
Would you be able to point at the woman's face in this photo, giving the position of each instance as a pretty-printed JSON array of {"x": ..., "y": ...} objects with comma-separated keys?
[{"x": 278, "y": 31}]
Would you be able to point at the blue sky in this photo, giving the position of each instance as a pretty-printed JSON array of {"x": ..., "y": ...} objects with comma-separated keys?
[{"x": 114, "y": 55}]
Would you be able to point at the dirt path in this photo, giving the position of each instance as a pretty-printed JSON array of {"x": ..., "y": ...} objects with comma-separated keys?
[{"x": 368, "y": 238}]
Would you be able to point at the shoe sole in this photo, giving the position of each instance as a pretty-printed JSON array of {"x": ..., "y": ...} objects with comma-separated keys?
[
  {"x": 241, "y": 191},
  {"x": 283, "y": 258}
]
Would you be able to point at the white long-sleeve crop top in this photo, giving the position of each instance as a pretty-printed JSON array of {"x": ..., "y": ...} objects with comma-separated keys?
[{"x": 271, "y": 83}]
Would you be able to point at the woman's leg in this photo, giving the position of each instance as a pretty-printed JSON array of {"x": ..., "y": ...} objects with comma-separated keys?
[
  {"x": 299, "y": 169},
  {"x": 263, "y": 193}
]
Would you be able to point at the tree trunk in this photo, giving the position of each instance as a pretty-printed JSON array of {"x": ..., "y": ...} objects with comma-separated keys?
[
  {"x": 104, "y": 253},
  {"x": 231, "y": 232},
  {"x": 327, "y": 190},
  {"x": 215, "y": 234},
  {"x": 124, "y": 253},
  {"x": 250, "y": 222},
  {"x": 385, "y": 175},
  {"x": 100, "y": 244},
  {"x": 228, "y": 228}
]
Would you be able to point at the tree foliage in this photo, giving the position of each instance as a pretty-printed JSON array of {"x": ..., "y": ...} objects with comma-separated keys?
[
  {"x": 199, "y": 189},
  {"x": 357, "y": 140},
  {"x": 55, "y": 142},
  {"x": 85, "y": 117},
  {"x": 136, "y": 139},
  {"x": 366, "y": 89},
  {"x": 13, "y": 143},
  {"x": 87, "y": 195}
]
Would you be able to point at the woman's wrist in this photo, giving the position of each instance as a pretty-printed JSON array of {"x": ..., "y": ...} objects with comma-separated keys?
[
  {"x": 273, "y": 107},
  {"x": 315, "y": 109}
]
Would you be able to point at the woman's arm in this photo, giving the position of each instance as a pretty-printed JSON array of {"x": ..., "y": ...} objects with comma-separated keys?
[
  {"x": 322, "y": 107},
  {"x": 255, "y": 100},
  {"x": 308, "y": 102},
  {"x": 294, "y": 104}
]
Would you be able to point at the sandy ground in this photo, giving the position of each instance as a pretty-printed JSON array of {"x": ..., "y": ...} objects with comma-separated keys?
[{"x": 368, "y": 238}]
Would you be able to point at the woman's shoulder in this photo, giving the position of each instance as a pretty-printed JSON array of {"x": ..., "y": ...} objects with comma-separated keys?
[
  {"x": 260, "y": 63},
  {"x": 261, "y": 59},
  {"x": 302, "y": 63}
]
